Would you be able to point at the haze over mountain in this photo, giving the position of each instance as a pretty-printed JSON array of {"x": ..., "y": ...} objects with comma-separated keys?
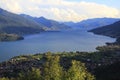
[
  {"x": 13, "y": 23},
  {"x": 50, "y": 24},
  {"x": 112, "y": 30},
  {"x": 92, "y": 23},
  {"x": 25, "y": 24}
]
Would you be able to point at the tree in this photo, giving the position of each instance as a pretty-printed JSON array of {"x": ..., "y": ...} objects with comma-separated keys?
[
  {"x": 78, "y": 72},
  {"x": 4, "y": 78},
  {"x": 52, "y": 69},
  {"x": 30, "y": 75}
]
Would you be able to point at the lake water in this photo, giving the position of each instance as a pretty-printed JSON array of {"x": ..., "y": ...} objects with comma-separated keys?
[{"x": 76, "y": 40}]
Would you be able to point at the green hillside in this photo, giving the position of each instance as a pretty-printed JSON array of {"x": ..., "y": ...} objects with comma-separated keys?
[
  {"x": 13, "y": 23},
  {"x": 112, "y": 30}
]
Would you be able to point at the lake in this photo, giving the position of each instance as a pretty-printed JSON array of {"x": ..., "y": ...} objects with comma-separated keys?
[{"x": 76, "y": 40}]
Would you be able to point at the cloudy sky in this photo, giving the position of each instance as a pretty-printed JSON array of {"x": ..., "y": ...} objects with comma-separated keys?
[{"x": 64, "y": 10}]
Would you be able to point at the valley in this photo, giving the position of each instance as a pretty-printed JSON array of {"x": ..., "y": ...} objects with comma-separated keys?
[{"x": 37, "y": 48}]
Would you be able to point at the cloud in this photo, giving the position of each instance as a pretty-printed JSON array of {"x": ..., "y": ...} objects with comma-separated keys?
[
  {"x": 11, "y": 6},
  {"x": 60, "y": 10}
]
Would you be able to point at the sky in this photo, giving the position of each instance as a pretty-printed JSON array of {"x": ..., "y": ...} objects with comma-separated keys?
[{"x": 64, "y": 10}]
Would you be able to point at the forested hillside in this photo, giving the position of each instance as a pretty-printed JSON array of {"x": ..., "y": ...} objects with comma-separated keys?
[
  {"x": 112, "y": 30},
  {"x": 13, "y": 23},
  {"x": 100, "y": 65}
]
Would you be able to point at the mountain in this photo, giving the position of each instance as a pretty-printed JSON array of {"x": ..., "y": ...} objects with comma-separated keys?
[
  {"x": 91, "y": 23},
  {"x": 50, "y": 24},
  {"x": 16, "y": 24},
  {"x": 112, "y": 30},
  {"x": 70, "y": 23}
]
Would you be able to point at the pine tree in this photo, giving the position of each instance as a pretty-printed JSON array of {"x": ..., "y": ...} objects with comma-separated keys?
[
  {"x": 52, "y": 69},
  {"x": 78, "y": 72}
]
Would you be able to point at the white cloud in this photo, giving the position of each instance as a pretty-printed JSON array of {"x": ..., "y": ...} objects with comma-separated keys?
[
  {"x": 11, "y": 6},
  {"x": 60, "y": 10}
]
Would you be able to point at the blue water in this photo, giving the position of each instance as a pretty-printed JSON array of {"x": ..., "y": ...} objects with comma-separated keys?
[{"x": 77, "y": 40}]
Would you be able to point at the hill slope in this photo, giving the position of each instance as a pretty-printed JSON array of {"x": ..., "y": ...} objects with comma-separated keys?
[
  {"x": 13, "y": 23},
  {"x": 50, "y": 24},
  {"x": 112, "y": 30}
]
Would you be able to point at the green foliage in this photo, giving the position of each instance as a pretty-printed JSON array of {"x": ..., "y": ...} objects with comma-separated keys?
[
  {"x": 109, "y": 48},
  {"x": 78, "y": 72},
  {"x": 4, "y": 78},
  {"x": 30, "y": 75},
  {"x": 52, "y": 68},
  {"x": 7, "y": 78},
  {"x": 108, "y": 72}
]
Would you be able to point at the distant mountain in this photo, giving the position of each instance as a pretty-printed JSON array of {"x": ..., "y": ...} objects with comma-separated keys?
[
  {"x": 91, "y": 23},
  {"x": 70, "y": 23},
  {"x": 15, "y": 24},
  {"x": 50, "y": 24},
  {"x": 112, "y": 30}
]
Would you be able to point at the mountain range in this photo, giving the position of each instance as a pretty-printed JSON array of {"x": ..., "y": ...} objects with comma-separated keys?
[
  {"x": 92, "y": 23},
  {"x": 48, "y": 23},
  {"x": 13, "y": 23},
  {"x": 25, "y": 24}
]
